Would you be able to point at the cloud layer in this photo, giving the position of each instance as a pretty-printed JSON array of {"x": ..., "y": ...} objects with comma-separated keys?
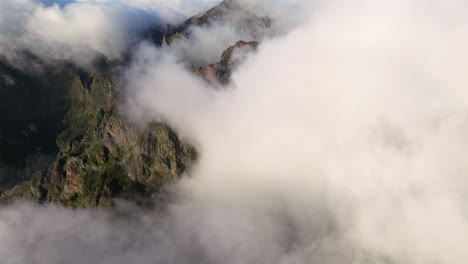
[
  {"x": 343, "y": 141},
  {"x": 359, "y": 114},
  {"x": 82, "y": 31}
]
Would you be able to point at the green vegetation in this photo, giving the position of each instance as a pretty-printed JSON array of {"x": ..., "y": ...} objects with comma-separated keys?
[{"x": 94, "y": 155}]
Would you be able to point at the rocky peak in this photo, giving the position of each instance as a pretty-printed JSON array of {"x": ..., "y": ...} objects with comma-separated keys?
[
  {"x": 233, "y": 12},
  {"x": 70, "y": 144},
  {"x": 221, "y": 71}
]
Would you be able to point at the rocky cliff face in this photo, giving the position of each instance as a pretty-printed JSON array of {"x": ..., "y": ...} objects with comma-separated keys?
[
  {"x": 63, "y": 140},
  {"x": 244, "y": 15},
  {"x": 221, "y": 71},
  {"x": 83, "y": 153},
  {"x": 32, "y": 107}
]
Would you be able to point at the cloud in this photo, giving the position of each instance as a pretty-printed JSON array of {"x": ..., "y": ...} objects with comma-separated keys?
[
  {"x": 360, "y": 112},
  {"x": 81, "y": 31},
  {"x": 343, "y": 141},
  {"x": 211, "y": 234},
  {"x": 55, "y": 30}
]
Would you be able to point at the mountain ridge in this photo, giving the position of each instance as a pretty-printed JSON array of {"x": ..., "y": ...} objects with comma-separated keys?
[{"x": 93, "y": 153}]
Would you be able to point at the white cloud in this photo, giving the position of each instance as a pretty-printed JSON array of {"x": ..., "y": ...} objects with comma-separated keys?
[
  {"x": 343, "y": 141},
  {"x": 84, "y": 30},
  {"x": 361, "y": 112}
]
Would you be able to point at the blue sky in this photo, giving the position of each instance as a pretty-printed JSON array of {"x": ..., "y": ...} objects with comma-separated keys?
[{"x": 60, "y": 2}]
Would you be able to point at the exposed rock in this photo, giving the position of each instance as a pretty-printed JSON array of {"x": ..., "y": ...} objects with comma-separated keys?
[
  {"x": 73, "y": 171},
  {"x": 63, "y": 140},
  {"x": 98, "y": 154},
  {"x": 234, "y": 12},
  {"x": 26, "y": 190},
  {"x": 221, "y": 71}
]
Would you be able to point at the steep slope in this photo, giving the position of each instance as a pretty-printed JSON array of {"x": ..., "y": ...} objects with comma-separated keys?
[
  {"x": 221, "y": 71},
  {"x": 32, "y": 107},
  {"x": 65, "y": 141},
  {"x": 93, "y": 154},
  {"x": 244, "y": 15}
]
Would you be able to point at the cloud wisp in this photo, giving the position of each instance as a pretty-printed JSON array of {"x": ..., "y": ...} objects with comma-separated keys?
[{"x": 82, "y": 31}]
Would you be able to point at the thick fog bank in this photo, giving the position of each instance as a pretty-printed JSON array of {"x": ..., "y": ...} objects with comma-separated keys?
[{"x": 343, "y": 141}]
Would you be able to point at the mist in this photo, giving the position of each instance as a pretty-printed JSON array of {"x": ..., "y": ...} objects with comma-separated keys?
[
  {"x": 341, "y": 141},
  {"x": 82, "y": 31}
]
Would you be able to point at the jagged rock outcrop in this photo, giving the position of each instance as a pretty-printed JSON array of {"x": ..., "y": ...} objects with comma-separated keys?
[
  {"x": 63, "y": 140},
  {"x": 98, "y": 155},
  {"x": 221, "y": 71},
  {"x": 243, "y": 14}
]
